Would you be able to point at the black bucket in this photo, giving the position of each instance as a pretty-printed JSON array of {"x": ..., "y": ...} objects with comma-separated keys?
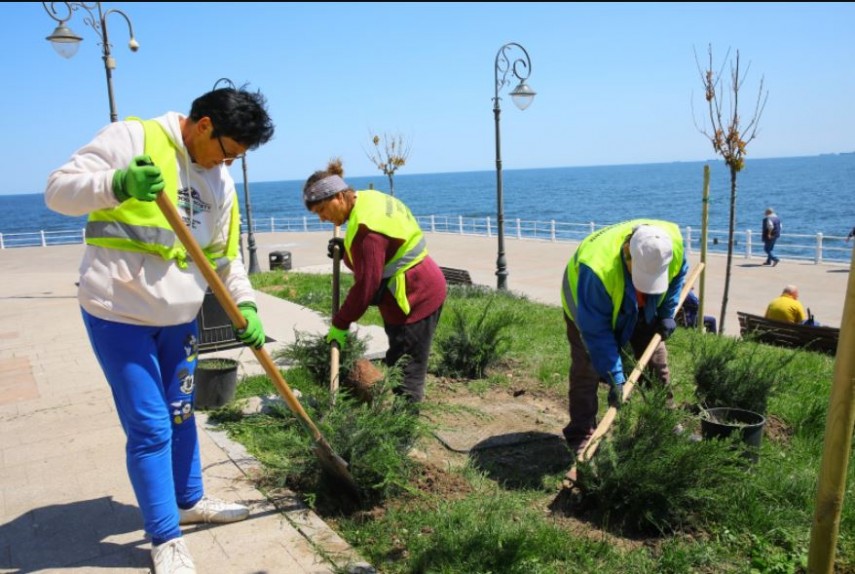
[
  {"x": 216, "y": 382},
  {"x": 721, "y": 422}
]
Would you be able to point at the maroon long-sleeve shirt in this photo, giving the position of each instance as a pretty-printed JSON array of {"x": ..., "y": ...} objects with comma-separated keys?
[{"x": 426, "y": 287}]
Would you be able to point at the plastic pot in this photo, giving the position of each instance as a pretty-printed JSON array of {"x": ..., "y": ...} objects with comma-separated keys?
[
  {"x": 722, "y": 422},
  {"x": 216, "y": 382}
]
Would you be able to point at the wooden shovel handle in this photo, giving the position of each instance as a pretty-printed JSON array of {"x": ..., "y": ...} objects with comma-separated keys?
[
  {"x": 231, "y": 309},
  {"x": 611, "y": 413},
  {"x": 335, "y": 352}
]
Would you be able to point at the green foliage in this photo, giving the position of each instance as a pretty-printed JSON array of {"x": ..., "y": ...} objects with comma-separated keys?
[
  {"x": 373, "y": 438},
  {"x": 312, "y": 352},
  {"x": 498, "y": 534},
  {"x": 729, "y": 373},
  {"x": 217, "y": 364},
  {"x": 310, "y": 290},
  {"x": 474, "y": 343},
  {"x": 710, "y": 512},
  {"x": 646, "y": 479}
]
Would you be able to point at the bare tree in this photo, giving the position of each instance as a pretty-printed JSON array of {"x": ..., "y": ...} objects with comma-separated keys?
[
  {"x": 729, "y": 139},
  {"x": 390, "y": 157}
]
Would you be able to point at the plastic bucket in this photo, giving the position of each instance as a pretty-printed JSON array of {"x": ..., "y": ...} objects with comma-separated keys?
[
  {"x": 722, "y": 422},
  {"x": 216, "y": 382}
]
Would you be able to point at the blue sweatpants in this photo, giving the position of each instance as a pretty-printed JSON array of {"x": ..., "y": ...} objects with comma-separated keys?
[{"x": 150, "y": 371}]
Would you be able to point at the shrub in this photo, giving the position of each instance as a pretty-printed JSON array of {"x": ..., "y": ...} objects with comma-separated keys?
[
  {"x": 730, "y": 373},
  {"x": 312, "y": 352},
  {"x": 474, "y": 344},
  {"x": 646, "y": 479}
]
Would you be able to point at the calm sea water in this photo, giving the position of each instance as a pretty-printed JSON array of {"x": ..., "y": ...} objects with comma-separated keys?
[{"x": 810, "y": 194}]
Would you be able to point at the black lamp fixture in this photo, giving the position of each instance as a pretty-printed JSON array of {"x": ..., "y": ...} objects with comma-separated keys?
[{"x": 522, "y": 96}]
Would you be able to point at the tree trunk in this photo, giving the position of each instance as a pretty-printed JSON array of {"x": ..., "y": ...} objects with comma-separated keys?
[
  {"x": 391, "y": 186},
  {"x": 730, "y": 232}
]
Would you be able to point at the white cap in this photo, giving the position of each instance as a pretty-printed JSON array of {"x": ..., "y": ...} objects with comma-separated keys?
[{"x": 651, "y": 250}]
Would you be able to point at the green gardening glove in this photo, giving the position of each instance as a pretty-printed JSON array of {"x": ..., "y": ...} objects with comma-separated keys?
[
  {"x": 337, "y": 335},
  {"x": 142, "y": 180},
  {"x": 253, "y": 334}
]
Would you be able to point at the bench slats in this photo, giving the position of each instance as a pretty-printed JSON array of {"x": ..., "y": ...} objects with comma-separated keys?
[
  {"x": 823, "y": 339},
  {"x": 456, "y": 276}
]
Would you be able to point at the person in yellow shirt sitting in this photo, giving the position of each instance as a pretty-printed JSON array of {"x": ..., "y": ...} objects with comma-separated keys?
[{"x": 787, "y": 308}]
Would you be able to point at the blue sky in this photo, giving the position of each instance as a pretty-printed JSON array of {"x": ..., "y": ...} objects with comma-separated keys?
[{"x": 615, "y": 82}]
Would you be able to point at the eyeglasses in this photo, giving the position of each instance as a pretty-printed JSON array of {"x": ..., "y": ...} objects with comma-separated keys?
[{"x": 226, "y": 156}]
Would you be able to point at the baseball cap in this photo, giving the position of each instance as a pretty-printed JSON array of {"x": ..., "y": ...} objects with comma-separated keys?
[{"x": 651, "y": 250}]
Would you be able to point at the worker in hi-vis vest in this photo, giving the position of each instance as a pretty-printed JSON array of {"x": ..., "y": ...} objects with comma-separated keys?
[
  {"x": 386, "y": 250},
  {"x": 621, "y": 287},
  {"x": 140, "y": 294}
]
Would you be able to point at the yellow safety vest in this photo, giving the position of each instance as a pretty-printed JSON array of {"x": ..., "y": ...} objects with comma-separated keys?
[
  {"x": 387, "y": 215},
  {"x": 600, "y": 253},
  {"x": 140, "y": 226}
]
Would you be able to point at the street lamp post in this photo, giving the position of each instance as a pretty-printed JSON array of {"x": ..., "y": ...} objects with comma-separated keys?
[
  {"x": 250, "y": 235},
  {"x": 66, "y": 42},
  {"x": 522, "y": 96}
]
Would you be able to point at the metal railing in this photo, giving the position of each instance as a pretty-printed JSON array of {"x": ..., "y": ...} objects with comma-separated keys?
[{"x": 818, "y": 248}]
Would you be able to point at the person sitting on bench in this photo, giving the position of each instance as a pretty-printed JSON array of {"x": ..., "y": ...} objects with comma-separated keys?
[{"x": 787, "y": 308}]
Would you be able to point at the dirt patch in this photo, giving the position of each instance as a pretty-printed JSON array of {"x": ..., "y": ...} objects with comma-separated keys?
[
  {"x": 513, "y": 435},
  {"x": 777, "y": 430},
  {"x": 362, "y": 378}
]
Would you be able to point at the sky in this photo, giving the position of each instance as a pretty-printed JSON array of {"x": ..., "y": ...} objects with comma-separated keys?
[{"x": 616, "y": 83}]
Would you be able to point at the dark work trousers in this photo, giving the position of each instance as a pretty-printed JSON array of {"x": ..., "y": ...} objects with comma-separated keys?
[
  {"x": 584, "y": 380},
  {"x": 768, "y": 246},
  {"x": 658, "y": 363},
  {"x": 412, "y": 342}
]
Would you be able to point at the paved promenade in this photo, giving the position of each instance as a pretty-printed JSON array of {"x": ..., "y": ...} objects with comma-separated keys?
[
  {"x": 65, "y": 501},
  {"x": 535, "y": 269}
]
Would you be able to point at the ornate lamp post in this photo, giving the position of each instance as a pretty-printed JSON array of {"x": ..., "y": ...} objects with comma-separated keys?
[
  {"x": 250, "y": 235},
  {"x": 66, "y": 42},
  {"x": 522, "y": 96}
]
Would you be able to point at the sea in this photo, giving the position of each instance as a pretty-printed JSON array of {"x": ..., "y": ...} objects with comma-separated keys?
[{"x": 810, "y": 194}]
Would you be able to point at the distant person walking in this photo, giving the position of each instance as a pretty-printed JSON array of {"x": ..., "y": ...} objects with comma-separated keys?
[
  {"x": 787, "y": 308},
  {"x": 771, "y": 232},
  {"x": 851, "y": 235}
]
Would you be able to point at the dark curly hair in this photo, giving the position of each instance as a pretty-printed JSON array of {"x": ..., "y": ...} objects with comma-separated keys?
[{"x": 236, "y": 113}]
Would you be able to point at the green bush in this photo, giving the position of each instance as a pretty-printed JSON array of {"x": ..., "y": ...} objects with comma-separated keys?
[
  {"x": 730, "y": 373},
  {"x": 313, "y": 353},
  {"x": 475, "y": 342},
  {"x": 647, "y": 479}
]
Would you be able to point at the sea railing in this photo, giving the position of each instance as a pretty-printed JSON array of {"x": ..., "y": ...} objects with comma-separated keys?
[
  {"x": 817, "y": 248},
  {"x": 42, "y": 238}
]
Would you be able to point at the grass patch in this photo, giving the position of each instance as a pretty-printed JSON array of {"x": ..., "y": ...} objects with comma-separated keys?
[{"x": 655, "y": 501}]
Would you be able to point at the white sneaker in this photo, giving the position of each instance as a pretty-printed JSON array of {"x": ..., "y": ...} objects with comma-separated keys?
[
  {"x": 172, "y": 558},
  {"x": 213, "y": 510}
]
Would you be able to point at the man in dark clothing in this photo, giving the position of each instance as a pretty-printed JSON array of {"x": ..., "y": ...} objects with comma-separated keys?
[{"x": 771, "y": 232}]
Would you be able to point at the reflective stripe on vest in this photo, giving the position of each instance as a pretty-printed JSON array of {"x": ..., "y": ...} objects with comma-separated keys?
[
  {"x": 140, "y": 226},
  {"x": 387, "y": 215},
  {"x": 600, "y": 252}
]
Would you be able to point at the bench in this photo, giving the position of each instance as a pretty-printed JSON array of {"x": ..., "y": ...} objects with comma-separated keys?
[
  {"x": 821, "y": 339},
  {"x": 456, "y": 276},
  {"x": 215, "y": 328}
]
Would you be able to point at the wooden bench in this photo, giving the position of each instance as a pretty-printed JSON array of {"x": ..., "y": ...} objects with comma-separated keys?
[
  {"x": 215, "y": 327},
  {"x": 822, "y": 339},
  {"x": 456, "y": 276}
]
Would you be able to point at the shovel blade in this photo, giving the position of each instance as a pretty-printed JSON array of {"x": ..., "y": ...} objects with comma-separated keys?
[{"x": 335, "y": 466}]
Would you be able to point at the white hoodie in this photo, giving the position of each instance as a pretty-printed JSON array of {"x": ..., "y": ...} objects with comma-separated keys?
[{"x": 139, "y": 288}]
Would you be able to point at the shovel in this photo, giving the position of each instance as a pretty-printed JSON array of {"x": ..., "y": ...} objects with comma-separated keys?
[
  {"x": 335, "y": 352},
  {"x": 605, "y": 425},
  {"x": 330, "y": 461}
]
